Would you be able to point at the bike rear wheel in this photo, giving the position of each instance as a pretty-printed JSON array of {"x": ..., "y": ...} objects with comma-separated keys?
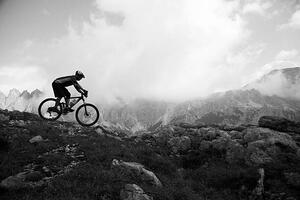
[
  {"x": 87, "y": 114},
  {"x": 47, "y": 109}
]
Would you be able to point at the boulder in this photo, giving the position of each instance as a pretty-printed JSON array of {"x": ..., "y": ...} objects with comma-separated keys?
[
  {"x": 137, "y": 170},
  {"x": 23, "y": 180},
  {"x": 182, "y": 143},
  {"x": 14, "y": 182},
  {"x": 279, "y": 124},
  {"x": 100, "y": 131},
  {"x": 37, "y": 139},
  {"x": 133, "y": 192}
]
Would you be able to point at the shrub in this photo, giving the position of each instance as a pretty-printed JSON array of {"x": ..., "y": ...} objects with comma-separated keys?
[{"x": 4, "y": 144}]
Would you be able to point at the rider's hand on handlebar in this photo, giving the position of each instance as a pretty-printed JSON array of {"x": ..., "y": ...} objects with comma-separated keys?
[{"x": 85, "y": 93}]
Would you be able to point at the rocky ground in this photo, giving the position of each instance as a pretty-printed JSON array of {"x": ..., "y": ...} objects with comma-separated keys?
[{"x": 59, "y": 160}]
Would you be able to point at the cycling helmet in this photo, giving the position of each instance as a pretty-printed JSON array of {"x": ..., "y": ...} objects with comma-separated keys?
[{"x": 79, "y": 74}]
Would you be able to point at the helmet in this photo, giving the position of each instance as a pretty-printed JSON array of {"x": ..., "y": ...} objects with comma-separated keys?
[{"x": 79, "y": 74}]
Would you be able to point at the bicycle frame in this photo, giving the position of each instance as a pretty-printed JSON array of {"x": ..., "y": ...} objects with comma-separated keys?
[{"x": 78, "y": 99}]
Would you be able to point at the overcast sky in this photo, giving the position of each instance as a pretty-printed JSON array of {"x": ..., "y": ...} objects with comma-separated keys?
[{"x": 165, "y": 49}]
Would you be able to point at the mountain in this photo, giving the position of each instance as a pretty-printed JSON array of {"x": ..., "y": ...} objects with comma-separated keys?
[
  {"x": 137, "y": 115},
  {"x": 280, "y": 82},
  {"x": 276, "y": 94},
  {"x": 25, "y": 101},
  {"x": 236, "y": 107}
]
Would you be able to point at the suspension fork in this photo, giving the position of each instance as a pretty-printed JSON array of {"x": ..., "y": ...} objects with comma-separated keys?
[{"x": 85, "y": 110}]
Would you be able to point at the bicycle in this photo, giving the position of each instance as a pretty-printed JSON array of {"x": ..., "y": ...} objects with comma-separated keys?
[{"x": 86, "y": 114}]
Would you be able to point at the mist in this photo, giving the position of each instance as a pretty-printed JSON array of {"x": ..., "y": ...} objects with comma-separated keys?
[
  {"x": 163, "y": 50},
  {"x": 149, "y": 49}
]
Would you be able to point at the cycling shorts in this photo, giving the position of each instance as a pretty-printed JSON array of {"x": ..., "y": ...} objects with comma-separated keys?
[{"x": 60, "y": 91}]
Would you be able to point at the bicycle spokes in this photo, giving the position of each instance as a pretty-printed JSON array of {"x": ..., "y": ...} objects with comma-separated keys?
[
  {"x": 87, "y": 114},
  {"x": 48, "y": 110}
]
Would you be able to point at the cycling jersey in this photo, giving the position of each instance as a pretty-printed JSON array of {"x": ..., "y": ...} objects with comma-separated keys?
[{"x": 66, "y": 81}]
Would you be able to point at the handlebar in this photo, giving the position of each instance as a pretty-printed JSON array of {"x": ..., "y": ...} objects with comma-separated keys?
[{"x": 85, "y": 93}]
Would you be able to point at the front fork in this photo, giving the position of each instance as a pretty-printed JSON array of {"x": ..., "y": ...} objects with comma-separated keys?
[{"x": 85, "y": 110}]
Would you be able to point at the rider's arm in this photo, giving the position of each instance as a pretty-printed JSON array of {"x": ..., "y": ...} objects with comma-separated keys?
[{"x": 79, "y": 88}]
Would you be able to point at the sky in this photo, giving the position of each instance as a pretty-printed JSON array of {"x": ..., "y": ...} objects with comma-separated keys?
[{"x": 166, "y": 50}]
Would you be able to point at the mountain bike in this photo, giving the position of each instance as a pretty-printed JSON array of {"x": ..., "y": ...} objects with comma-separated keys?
[{"x": 86, "y": 114}]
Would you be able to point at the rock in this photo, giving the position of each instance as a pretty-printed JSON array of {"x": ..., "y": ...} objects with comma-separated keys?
[
  {"x": 4, "y": 118},
  {"x": 256, "y": 157},
  {"x": 236, "y": 135},
  {"x": 279, "y": 124},
  {"x": 223, "y": 134},
  {"x": 137, "y": 170},
  {"x": 34, "y": 176},
  {"x": 259, "y": 189},
  {"x": 189, "y": 125},
  {"x": 204, "y": 145},
  {"x": 100, "y": 131},
  {"x": 220, "y": 144},
  {"x": 270, "y": 136},
  {"x": 133, "y": 192},
  {"x": 293, "y": 179},
  {"x": 211, "y": 134},
  {"x": 298, "y": 153},
  {"x": 14, "y": 182},
  {"x": 182, "y": 143},
  {"x": 233, "y": 128},
  {"x": 36, "y": 139},
  {"x": 235, "y": 152}
]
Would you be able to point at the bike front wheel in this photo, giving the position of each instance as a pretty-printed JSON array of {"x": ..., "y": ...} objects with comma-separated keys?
[
  {"x": 48, "y": 111},
  {"x": 87, "y": 114}
]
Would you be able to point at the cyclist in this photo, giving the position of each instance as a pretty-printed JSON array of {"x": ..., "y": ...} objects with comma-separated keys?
[{"x": 59, "y": 88}]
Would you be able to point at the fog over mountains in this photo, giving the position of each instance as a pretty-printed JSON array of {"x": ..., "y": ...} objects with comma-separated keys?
[
  {"x": 276, "y": 93},
  {"x": 22, "y": 101}
]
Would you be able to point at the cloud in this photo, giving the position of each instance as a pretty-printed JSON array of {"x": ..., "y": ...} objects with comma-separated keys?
[
  {"x": 274, "y": 65},
  {"x": 258, "y": 7},
  {"x": 287, "y": 54},
  {"x": 162, "y": 49},
  {"x": 22, "y": 77},
  {"x": 293, "y": 22}
]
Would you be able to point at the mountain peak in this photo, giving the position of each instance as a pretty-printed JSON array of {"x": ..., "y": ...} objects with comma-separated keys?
[
  {"x": 36, "y": 93},
  {"x": 281, "y": 82},
  {"x": 25, "y": 94},
  {"x": 14, "y": 92}
]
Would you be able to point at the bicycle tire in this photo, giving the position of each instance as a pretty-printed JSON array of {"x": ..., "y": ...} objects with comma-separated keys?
[
  {"x": 83, "y": 106},
  {"x": 41, "y": 107}
]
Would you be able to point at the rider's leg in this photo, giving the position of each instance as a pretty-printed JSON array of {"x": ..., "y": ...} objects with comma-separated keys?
[
  {"x": 58, "y": 93},
  {"x": 67, "y": 101},
  {"x": 57, "y": 101}
]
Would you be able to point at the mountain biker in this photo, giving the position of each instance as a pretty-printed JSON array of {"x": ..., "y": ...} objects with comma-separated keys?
[{"x": 59, "y": 88}]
